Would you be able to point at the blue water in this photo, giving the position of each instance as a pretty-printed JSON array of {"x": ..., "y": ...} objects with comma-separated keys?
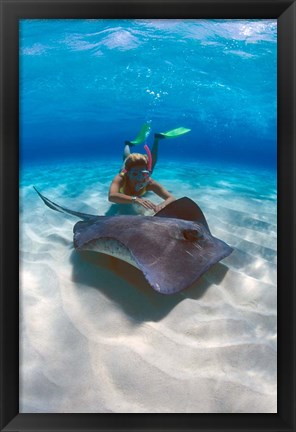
[{"x": 86, "y": 86}]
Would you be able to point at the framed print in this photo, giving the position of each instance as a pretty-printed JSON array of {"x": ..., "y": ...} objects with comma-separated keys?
[{"x": 147, "y": 215}]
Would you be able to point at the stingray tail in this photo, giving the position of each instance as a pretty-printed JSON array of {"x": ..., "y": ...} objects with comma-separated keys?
[{"x": 56, "y": 207}]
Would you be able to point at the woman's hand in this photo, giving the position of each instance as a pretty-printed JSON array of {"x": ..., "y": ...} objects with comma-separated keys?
[
  {"x": 164, "y": 204},
  {"x": 159, "y": 207},
  {"x": 146, "y": 203},
  {"x": 162, "y": 192}
]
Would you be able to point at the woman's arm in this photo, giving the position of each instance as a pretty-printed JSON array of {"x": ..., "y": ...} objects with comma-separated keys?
[
  {"x": 162, "y": 192},
  {"x": 114, "y": 195}
]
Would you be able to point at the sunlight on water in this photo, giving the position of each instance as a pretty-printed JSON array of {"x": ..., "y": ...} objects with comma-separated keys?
[{"x": 88, "y": 85}]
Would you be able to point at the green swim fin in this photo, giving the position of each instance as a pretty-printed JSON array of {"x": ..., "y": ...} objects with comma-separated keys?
[
  {"x": 173, "y": 133},
  {"x": 142, "y": 135}
]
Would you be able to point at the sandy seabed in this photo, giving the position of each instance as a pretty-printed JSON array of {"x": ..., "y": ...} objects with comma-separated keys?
[{"x": 95, "y": 337}]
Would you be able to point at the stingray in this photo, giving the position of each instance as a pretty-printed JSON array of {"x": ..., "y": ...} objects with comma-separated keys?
[{"x": 173, "y": 248}]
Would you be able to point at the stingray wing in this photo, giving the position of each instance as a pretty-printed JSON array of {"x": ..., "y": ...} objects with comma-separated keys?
[
  {"x": 171, "y": 253},
  {"x": 185, "y": 209}
]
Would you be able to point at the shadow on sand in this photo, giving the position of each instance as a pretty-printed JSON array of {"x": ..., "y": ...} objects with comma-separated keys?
[{"x": 127, "y": 286}]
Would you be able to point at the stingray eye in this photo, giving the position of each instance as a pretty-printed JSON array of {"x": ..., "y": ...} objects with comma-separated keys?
[{"x": 191, "y": 235}]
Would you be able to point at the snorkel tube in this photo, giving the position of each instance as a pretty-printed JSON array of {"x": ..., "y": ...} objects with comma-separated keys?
[{"x": 149, "y": 163}]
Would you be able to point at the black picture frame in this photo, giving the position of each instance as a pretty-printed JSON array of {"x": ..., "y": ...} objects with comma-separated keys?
[{"x": 11, "y": 12}]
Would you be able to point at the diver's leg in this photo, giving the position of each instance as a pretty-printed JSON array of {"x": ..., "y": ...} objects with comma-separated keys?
[
  {"x": 154, "y": 151},
  {"x": 127, "y": 150},
  {"x": 126, "y": 153}
]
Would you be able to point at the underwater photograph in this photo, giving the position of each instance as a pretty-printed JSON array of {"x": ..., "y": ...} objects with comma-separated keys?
[{"x": 148, "y": 215}]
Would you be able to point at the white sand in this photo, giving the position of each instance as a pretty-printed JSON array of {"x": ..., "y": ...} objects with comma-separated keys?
[{"x": 95, "y": 338}]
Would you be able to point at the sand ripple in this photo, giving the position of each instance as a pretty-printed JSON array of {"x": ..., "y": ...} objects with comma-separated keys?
[{"x": 96, "y": 338}]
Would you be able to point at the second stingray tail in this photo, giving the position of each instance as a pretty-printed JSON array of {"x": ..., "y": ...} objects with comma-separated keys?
[{"x": 56, "y": 207}]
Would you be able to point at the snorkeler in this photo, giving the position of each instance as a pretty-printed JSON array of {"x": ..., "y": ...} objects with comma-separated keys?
[{"x": 131, "y": 184}]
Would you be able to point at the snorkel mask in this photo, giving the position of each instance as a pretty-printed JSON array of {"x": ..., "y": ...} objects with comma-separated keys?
[{"x": 141, "y": 176}]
